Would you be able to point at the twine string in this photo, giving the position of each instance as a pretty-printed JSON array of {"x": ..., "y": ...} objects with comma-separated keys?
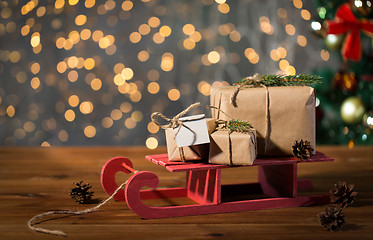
[
  {"x": 267, "y": 120},
  {"x": 31, "y": 223},
  {"x": 230, "y": 148},
  {"x": 256, "y": 81},
  {"x": 213, "y": 107},
  {"x": 174, "y": 122}
]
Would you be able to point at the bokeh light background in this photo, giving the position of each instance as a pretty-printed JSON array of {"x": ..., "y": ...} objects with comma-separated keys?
[{"x": 91, "y": 72}]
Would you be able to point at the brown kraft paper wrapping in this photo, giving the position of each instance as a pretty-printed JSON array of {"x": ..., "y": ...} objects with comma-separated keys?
[
  {"x": 243, "y": 148},
  {"x": 196, "y": 152},
  {"x": 290, "y": 116}
]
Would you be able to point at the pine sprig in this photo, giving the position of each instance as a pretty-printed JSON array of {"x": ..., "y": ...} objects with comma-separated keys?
[
  {"x": 237, "y": 125},
  {"x": 271, "y": 80}
]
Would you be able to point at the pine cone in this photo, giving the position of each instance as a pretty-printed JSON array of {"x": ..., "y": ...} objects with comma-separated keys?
[
  {"x": 342, "y": 195},
  {"x": 332, "y": 219},
  {"x": 302, "y": 150},
  {"x": 80, "y": 193}
]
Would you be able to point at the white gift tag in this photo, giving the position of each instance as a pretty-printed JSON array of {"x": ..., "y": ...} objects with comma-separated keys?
[{"x": 193, "y": 131}]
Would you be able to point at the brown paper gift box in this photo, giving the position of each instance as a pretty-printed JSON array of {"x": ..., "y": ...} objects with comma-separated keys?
[
  {"x": 195, "y": 152},
  {"x": 242, "y": 148},
  {"x": 290, "y": 117}
]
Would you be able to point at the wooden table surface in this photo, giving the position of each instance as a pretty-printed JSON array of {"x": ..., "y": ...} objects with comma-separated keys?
[{"x": 35, "y": 180}]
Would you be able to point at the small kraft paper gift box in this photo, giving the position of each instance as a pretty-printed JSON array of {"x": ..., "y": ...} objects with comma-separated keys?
[
  {"x": 232, "y": 148},
  {"x": 187, "y": 138},
  {"x": 278, "y": 108},
  {"x": 233, "y": 143}
]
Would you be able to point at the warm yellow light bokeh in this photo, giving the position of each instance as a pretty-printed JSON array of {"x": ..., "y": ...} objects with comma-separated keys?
[
  {"x": 137, "y": 116},
  {"x": 283, "y": 64},
  {"x": 298, "y": 3},
  {"x": 224, "y": 8},
  {"x": 90, "y": 131},
  {"x": 152, "y": 127},
  {"x": 143, "y": 56},
  {"x": 89, "y": 63},
  {"x": 70, "y": 115},
  {"x": 154, "y": 22},
  {"x": 80, "y": 20},
  {"x": 85, "y": 34},
  {"x": 118, "y": 68},
  {"x": 63, "y": 136},
  {"x": 96, "y": 84},
  {"x": 188, "y": 29},
  {"x": 213, "y": 57},
  {"x": 153, "y": 88},
  {"x": 10, "y": 111},
  {"x": 165, "y": 31},
  {"x": 290, "y": 29},
  {"x": 189, "y": 44},
  {"x": 324, "y": 55},
  {"x": 135, "y": 37},
  {"x": 72, "y": 76},
  {"x": 151, "y": 143},
  {"x": 35, "y": 83},
  {"x": 61, "y": 67},
  {"x": 35, "y": 68},
  {"x": 107, "y": 122},
  {"x": 130, "y": 123},
  {"x": 126, "y": 107},
  {"x": 127, "y": 5},
  {"x": 86, "y": 107},
  {"x": 73, "y": 100},
  {"x": 89, "y": 3},
  {"x": 144, "y": 29},
  {"x": 302, "y": 40},
  {"x": 174, "y": 94},
  {"x": 116, "y": 114},
  {"x": 306, "y": 15},
  {"x": 158, "y": 38},
  {"x": 127, "y": 73},
  {"x": 35, "y": 39}
]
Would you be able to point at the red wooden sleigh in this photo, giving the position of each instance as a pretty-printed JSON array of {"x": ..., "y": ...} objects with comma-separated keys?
[{"x": 277, "y": 178}]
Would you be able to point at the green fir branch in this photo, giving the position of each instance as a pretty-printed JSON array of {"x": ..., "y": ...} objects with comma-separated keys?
[
  {"x": 237, "y": 125},
  {"x": 272, "y": 80}
]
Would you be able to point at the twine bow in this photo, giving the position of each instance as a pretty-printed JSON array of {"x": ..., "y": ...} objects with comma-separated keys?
[
  {"x": 174, "y": 122},
  {"x": 251, "y": 80}
]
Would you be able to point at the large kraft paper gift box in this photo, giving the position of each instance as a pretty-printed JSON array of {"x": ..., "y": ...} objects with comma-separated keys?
[
  {"x": 188, "y": 153},
  {"x": 233, "y": 148},
  {"x": 280, "y": 115}
]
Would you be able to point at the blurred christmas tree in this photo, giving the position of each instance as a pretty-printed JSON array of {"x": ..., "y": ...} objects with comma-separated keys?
[{"x": 345, "y": 99}]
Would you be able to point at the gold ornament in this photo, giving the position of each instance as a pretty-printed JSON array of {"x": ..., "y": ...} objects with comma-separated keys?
[
  {"x": 352, "y": 110},
  {"x": 368, "y": 119},
  {"x": 334, "y": 42}
]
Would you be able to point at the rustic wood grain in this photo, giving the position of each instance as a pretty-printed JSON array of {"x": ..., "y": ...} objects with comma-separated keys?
[{"x": 35, "y": 180}]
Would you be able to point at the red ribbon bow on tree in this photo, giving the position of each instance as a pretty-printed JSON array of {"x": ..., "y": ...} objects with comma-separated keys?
[{"x": 346, "y": 22}]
